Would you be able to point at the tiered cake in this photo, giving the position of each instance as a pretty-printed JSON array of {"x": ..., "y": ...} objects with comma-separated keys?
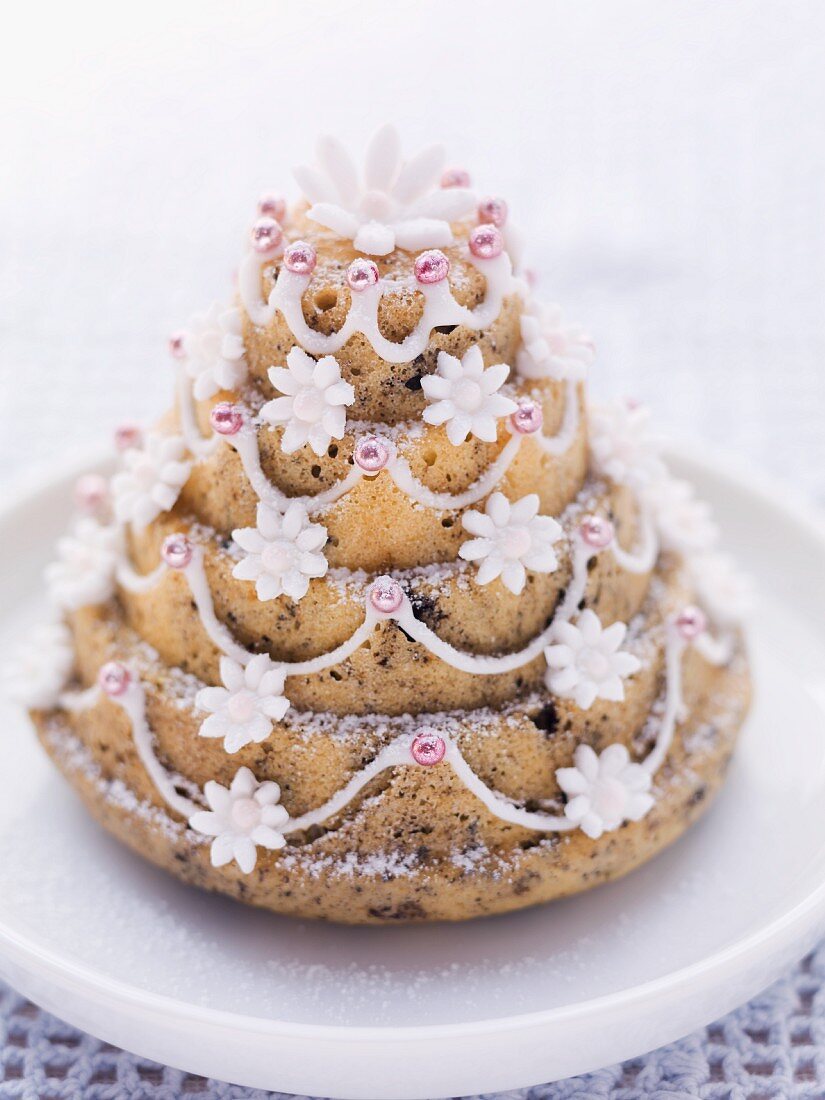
[{"x": 382, "y": 623}]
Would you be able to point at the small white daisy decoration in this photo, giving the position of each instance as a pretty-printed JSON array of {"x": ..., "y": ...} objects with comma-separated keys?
[
  {"x": 621, "y": 445},
  {"x": 243, "y": 710},
  {"x": 312, "y": 409},
  {"x": 282, "y": 553},
  {"x": 214, "y": 351},
  {"x": 84, "y": 570},
  {"x": 241, "y": 818},
  {"x": 604, "y": 791},
  {"x": 391, "y": 203},
  {"x": 151, "y": 480},
  {"x": 586, "y": 661},
  {"x": 463, "y": 395},
  {"x": 41, "y": 667},
  {"x": 684, "y": 522},
  {"x": 510, "y": 540},
  {"x": 550, "y": 348}
]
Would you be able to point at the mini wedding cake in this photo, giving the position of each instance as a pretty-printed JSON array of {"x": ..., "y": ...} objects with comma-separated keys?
[{"x": 383, "y": 621}]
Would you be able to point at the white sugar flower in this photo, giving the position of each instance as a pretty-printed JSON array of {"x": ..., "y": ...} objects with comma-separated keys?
[
  {"x": 242, "y": 818},
  {"x": 152, "y": 479},
  {"x": 84, "y": 572},
  {"x": 243, "y": 710},
  {"x": 214, "y": 350},
  {"x": 621, "y": 445},
  {"x": 40, "y": 667},
  {"x": 281, "y": 553},
  {"x": 394, "y": 204},
  {"x": 464, "y": 396},
  {"x": 604, "y": 791},
  {"x": 722, "y": 588},
  {"x": 683, "y": 522},
  {"x": 586, "y": 663},
  {"x": 313, "y": 408},
  {"x": 510, "y": 539},
  {"x": 551, "y": 349}
]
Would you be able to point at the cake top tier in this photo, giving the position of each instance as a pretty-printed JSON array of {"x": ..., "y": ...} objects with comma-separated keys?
[{"x": 385, "y": 267}]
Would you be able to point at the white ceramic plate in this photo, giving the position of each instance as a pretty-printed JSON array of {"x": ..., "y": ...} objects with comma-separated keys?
[{"x": 122, "y": 950}]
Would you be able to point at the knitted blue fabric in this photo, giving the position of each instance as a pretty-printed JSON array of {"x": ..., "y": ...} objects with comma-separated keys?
[{"x": 773, "y": 1047}]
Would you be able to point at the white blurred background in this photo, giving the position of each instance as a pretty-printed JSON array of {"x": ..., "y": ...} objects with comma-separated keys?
[{"x": 667, "y": 161}]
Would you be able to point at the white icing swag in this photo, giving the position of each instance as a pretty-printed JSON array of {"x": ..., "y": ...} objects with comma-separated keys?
[{"x": 391, "y": 203}]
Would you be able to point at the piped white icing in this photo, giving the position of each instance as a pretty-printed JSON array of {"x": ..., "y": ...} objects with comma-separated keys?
[
  {"x": 245, "y": 444},
  {"x": 440, "y": 308}
]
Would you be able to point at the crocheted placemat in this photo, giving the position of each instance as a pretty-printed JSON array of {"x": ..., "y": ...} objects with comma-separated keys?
[{"x": 773, "y": 1047}]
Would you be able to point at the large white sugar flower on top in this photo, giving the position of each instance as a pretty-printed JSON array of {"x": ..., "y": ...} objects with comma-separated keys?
[
  {"x": 604, "y": 791},
  {"x": 464, "y": 396},
  {"x": 152, "y": 479},
  {"x": 242, "y": 818},
  {"x": 313, "y": 406},
  {"x": 281, "y": 553},
  {"x": 585, "y": 661},
  {"x": 550, "y": 348},
  {"x": 723, "y": 589},
  {"x": 621, "y": 444},
  {"x": 393, "y": 204},
  {"x": 84, "y": 572},
  {"x": 685, "y": 524},
  {"x": 40, "y": 667},
  {"x": 510, "y": 539},
  {"x": 243, "y": 710},
  {"x": 214, "y": 350}
]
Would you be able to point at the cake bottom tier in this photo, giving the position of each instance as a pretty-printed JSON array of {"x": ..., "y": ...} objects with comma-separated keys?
[{"x": 378, "y": 867}]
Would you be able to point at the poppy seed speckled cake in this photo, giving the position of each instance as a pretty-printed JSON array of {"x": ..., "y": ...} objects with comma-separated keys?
[{"x": 383, "y": 621}]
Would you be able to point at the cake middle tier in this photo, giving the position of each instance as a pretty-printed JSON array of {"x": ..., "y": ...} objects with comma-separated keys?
[
  {"x": 409, "y": 513},
  {"x": 390, "y": 672}
]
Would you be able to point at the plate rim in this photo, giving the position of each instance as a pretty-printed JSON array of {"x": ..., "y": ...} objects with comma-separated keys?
[{"x": 780, "y": 933}]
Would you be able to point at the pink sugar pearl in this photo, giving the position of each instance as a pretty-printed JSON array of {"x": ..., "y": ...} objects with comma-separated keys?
[
  {"x": 300, "y": 258},
  {"x": 176, "y": 551},
  {"x": 177, "y": 345},
  {"x": 127, "y": 436},
  {"x": 91, "y": 493},
  {"x": 493, "y": 211},
  {"x": 486, "y": 242},
  {"x": 266, "y": 235},
  {"x": 691, "y": 622},
  {"x": 386, "y": 595},
  {"x": 428, "y": 748},
  {"x": 527, "y": 418},
  {"x": 114, "y": 678},
  {"x": 362, "y": 274},
  {"x": 455, "y": 177},
  {"x": 271, "y": 205},
  {"x": 371, "y": 454},
  {"x": 226, "y": 419},
  {"x": 596, "y": 532},
  {"x": 432, "y": 267}
]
